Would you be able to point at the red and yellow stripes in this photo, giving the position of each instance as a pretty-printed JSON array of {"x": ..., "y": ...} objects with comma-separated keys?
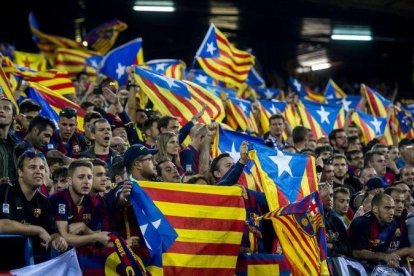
[
  {"x": 378, "y": 109},
  {"x": 232, "y": 66},
  {"x": 73, "y": 62},
  {"x": 309, "y": 122},
  {"x": 309, "y": 180},
  {"x": 209, "y": 221},
  {"x": 236, "y": 118},
  {"x": 6, "y": 87}
]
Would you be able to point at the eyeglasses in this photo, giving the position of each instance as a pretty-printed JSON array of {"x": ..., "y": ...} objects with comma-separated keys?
[
  {"x": 33, "y": 154},
  {"x": 68, "y": 112}
]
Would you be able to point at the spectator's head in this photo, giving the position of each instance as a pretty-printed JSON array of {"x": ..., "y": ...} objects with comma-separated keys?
[
  {"x": 376, "y": 160},
  {"x": 338, "y": 139},
  {"x": 31, "y": 169},
  {"x": 101, "y": 133},
  {"x": 325, "y": 152},
  {"x": 168, "y": 123},
  {"x": 375, "y": 185},
  {"x": 326, "y": 193},
  {"x": 383, "y": 208},
  {"x": 80, "y": 177},
  {"x": 328, "y": 173},
  {"x": 167, "y": 171},
  {"x": 407, "y": 175},
  {"x": 198, "y": 179},
  {"x": 393, "y": 153},
  {"x": 118, "y": 172},
  {"x": 99, "y": 175},
  {"x": 406, "y": 147},
  {"x": 82, "y": 77},
  {"x": 199, "y": 133},
  {"x": 353, "y": 130},
  {"x": 366, "y": 174},
  {"x": 60, "y": 178},
  {"x": 341, "y": 198},
  {"x": 300, "y": 137},
  {"x": 89, "y": 119},
  {"x": 7, "y": 112},
  {"x": 168, "y": 147},
  {"x": 289, "y": 148},
  {"x": 354, "y": 143},
  {"x": 40, "y": 131},
  {"x": 150, "y": 129},
  {"x": 398, "y": 197},
  {"x": 355, "y": 158},
  {"x": 322, "y": 141},
  {"x": 54, "y": 163},
  {"x": 141, "y": 117},
  {"x": 186, "y": 176},
  {"x": 340, "y": 166},
  {"x": 88, "y": 106},
  {"x": 277, "y": 125},
  {"x": 118, "y": 144},
  {"x": 311, "y": 144},
  {"x": 28, "y": 109},
  {"x": 221, "y": 165},
  {"x": 67, "y": 122},
  {"x": 366, "y": 202},
  {"x": 381, "y": 148},
  {"x": 405, "y": 189},
  {"x": 139, "y": 161}
]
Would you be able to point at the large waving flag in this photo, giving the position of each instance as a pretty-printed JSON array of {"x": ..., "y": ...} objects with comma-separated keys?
[
  {"x": 116, "y": 61},
  {"x": 219, "y": 59},
  {"x": 209, "y": 221},
  {"x": 173, "y": 68},
  {"x": 239, "y": 115},
  {"x": 333, "y": 91},
  {"x": 52, "y": 102},
  {"x": 321, "y": 119},
  {"x": 73, "y": 62},
  {"x": 282, "y": 176},
  {"x": 103, "y": 37},
  {"x": 49, "y": 43},
  {"x": 301, "y": 232},
  {"x": 269, "y": 93},
  {"x": 304, "y": 91},
  {"x": 254, "y": 79},
  {"x": 5, "y": 86},
  {"x": 31, "y": 61},
  {"x": 348, "y": 102},
  {"x": 378, "y": 104},
  {"x": 404, "y": 122},
  {"x": 371, "y": 126},
  {"x": 199, "y": 76},
  {"x": 182, "y": 99}
]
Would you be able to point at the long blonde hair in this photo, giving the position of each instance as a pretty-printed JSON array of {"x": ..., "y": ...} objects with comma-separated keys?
[{"x": 162, "y": 142}]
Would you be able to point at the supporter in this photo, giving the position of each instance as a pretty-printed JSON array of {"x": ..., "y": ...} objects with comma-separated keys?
[
  {"x": 336, "y": 238},
  {"x": 312, "y": 144},
  {"x": 341, "y": 198},
  {"x": 393, "y": 153},
  {"x": 77, "y": 213},
  {"x": 352, "y": 130},
  {"x": 406, "y": 147},
  {"x": 355, "y": 160},
  {"x": 375, "y": 185},
  {"x": 376, "y": 160},
  {"x": 324, "y": 152},
  {"x": 28, "y": 109},
  {"x": 66, "y": 139},
  {"x": 22, "y": 202},
  {"x": 38, "y": 135},
  {"x": 341, "y": 178},
  {"x": 60, "y": 179},
  {"x": 89, "y": 119},
  {"x": 338, "y": 140},
  {"x": 354, "y": 143},
  {"x": 300, "y": 138},
  {"x": 322, "y": 141},
  {"x": 7, "y": 141},
  {"x": 198, "y": 179},
  {"x": 375, "y": 237},
  {"x": 364, "y": 205},
  {"x": 81, "y": 83},
  {"x": 365, "y": 175},
  {"x": 398, "y": 197},
  {"x": 151, "y": 132},
  {"x": 328, "y": 173},
  {"x": 169, "y": 148},
  {"x": 102, "y": 134},
  {"x": 118, "y": 144},
  {"x": 277, "y": 126},
  {"x": 391, "y": 171},
  {"x": 289, "y": 148},
  {"x": 99, "y": 172},
  {"x": 167, "y": 171},
  {"x": 118, "y": 172},
  {"x": 407, "y": 175}
]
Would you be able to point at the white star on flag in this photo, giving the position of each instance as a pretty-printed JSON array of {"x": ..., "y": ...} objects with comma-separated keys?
[
  {"x": 211, "y": 48},
  {"x": 235, "y": 155},
  {"x": 94, "y": 63},
  {"x": 297, "y": 85},
  {"x": 274, "y": 109},
  {"x": 282, "y": 162},
  {"x": 346, "y": 104},
  {"x": 160, "y": 67},
  {"x": 330, "y": 97},
  {"x": 377, "y": 125},
  {"x": 324, "y": 115},
  {"x": 243, "y": 107},
  {"x": 169, "y": 81},
  {"x": 120, "y": 70},
  {"x": 201, "y": 79},
  {"x": 268, "y": 93},
  {"x": 144, "y": 227}
]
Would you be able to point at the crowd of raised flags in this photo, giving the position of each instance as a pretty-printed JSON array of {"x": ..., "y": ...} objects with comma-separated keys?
[{"x": 198, "y": 230}]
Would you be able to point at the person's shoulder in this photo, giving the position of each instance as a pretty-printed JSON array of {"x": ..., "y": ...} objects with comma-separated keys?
[{"x": 60, "y": 196}]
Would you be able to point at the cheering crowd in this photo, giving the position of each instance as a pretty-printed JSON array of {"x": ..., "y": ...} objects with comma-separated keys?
[{"x": 67, "y": 188}]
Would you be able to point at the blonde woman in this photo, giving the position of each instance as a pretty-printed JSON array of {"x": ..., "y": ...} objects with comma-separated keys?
[{"x": 168, "y": 147}]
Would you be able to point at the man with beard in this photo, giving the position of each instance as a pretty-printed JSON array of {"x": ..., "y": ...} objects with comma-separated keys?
[
  {"x": 102, "y": 134},
  {"x": 28, "y": 109},
  {"x": 376, "y": 160},
  {"x": 338, "y": 140},
  {"x": 7, "y": 141},
  {"x": 342, "y": 197},
  {"x": 76, "y": 212},
  {"x": 376, "y": 238},
  {"x": 336, "y": 238},
  {"x": 355, "y": 161},
  {"x": 340, "y": 172}
]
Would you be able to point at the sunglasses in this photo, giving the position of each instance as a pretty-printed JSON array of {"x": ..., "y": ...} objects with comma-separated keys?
[
  {"x": 33, "y": 154},
  {"x": 68, "y": 112}
]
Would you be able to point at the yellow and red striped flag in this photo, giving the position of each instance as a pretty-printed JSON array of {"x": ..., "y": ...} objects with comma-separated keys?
[
  {"x": 378, "y": 104},
  {"x": 209, "y": 221},
  {"x": 173, "y": 68},
  {"x": 5, "y": 86},
  {"x": 73, "y": 62},
  {"x": 372, "y": 126},
  {"x": 31, "y": 61},
  {"x": 221, "y": 60},
  {"x": 239, "y": 115},
  {"x": 103, "y": 37}
]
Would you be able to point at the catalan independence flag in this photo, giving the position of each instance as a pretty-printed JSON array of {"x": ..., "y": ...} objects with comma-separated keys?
[
  {"x": 182, "y": 99},
  {"x": 30, "y": 60},
  {"x": 222, "y": 61},
  {"x": 304, "y": 91},
  {"x": 377, "y": 103},
  {"x": 371, "y": 126},
  {"x": 348, "y": 102},
  {"x": 52, "y": 102},
  {"x": 49, "y": 43},
  {"x": 209, "y": 221},
  {"x": 333, "y": 91},
  {"x": 73, "y": 62},
  {"x": 6, "y": 89},
  {"x": 103, "y": 37},
  {"x": 269, "y": 93},
  {"x": 404, "y": 121},
  {"x": 320, "y": 118},
  {"x": 239, "y": 115},
  {"x": 301, "y": 232},
  {"x": 173, "y": 68},
  {"x": 254, "y": 79},
  {"x": 260, "y": 264},
  {"x": 269, "y": 108}
]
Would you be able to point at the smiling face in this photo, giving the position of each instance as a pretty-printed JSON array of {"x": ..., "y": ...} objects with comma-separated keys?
[{"x": 32, "y": 173}]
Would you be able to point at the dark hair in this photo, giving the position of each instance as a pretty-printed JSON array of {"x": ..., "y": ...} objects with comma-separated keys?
[
  {"x": 193, "y": 179},
  {"x": 299, "y": 134},
  {"x": 86, "y": 104},
  {"x": 91, "y": 115},
  {"x": 369, "y": 155},
  {"x": 40, "y": 123},
  {"x": 321, "y": 149},
  {"x": 28, "y": 105},
  {"x": 391, "y": 189},
  {"x": 398, "y": 182},
  {"x": 158, "y": 166},
  {"x": 79, "y": 163},
  {"x": 378, "y": 198},
  {"x": 352, "y": 139},
  {"x": 117, "y": 168},
  {"x": 332, "y": 134},
  {"x": 79, "y": 75},
  {"x": 276, "y": 116},
  {"x": 338, "y": 156},
  {"x": 341, "y": 190},
  {"x": 92, "y": 128},
  {"x": 29, "y": 154},
  {"x": 164, "y": 121},
  {"x": 352, "y": 152},
  {"x": 98, "y": 162},
  {"x": 148, "y": 123},
  {"x": 68, "y": 112},
  {"x": 61, "y": 172},
  {"x": 214, "y": 163}
]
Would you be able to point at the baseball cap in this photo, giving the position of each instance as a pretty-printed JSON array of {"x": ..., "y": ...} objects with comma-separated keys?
[
  {"x": 135, "y": 151},
  {"x": 375, "y": 183}
]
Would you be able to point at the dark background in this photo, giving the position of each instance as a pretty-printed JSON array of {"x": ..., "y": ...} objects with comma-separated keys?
[{"x": 276, "y": 31}]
